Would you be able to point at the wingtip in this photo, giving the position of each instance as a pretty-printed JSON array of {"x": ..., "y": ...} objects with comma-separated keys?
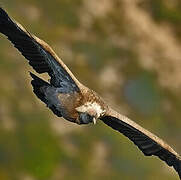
[
  {"x": 6, "y": 23},
  {"x": 3, "y": 13}
]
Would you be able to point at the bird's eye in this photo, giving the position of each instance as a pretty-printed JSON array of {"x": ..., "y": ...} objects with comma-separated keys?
[{"x": 85, "y": 118}]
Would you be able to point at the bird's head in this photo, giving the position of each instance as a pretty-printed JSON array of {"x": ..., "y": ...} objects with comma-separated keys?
[{"x": 89, "y": 112}]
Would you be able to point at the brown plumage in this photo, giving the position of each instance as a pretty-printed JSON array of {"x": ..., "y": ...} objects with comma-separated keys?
[{"x": 68, "y": 98}]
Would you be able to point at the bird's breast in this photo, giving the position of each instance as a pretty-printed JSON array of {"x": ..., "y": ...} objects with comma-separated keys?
[{"x": 68, "y": 104}]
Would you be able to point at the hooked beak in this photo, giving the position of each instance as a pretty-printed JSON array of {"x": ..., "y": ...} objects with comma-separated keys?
[{"x": 94, "y": 120}]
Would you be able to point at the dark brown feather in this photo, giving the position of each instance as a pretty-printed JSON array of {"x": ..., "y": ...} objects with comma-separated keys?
[
  {"x": 148, "y": 143},
  {"x": 40, "y": 56}
]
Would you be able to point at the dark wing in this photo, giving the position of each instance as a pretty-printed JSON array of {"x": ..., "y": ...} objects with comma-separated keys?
[
  {"x": 40, "y": 56},
  {"x": 147, "y": 142}
]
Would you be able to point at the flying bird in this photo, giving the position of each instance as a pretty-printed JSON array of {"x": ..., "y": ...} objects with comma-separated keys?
[{"x": 66, "y": 97}]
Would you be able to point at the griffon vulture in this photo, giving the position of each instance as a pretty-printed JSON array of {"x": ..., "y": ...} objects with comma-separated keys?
[{"x": 70, "y": 99}]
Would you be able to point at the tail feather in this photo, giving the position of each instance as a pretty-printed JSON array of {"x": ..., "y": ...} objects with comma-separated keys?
[
  {"x": 39, "y": 88},
  {"x": 38, "y": 85}
]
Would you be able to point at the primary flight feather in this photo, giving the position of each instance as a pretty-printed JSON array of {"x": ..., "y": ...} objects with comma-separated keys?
[{"x": 68, "y": 98}]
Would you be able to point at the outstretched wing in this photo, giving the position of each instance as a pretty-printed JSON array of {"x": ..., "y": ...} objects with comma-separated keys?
[
  {"x": 147, "y": 142},
  {"x": 40, "y": 56}
]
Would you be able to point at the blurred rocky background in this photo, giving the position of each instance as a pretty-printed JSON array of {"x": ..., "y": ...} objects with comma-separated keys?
[{"x": 129, "y": 51}]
